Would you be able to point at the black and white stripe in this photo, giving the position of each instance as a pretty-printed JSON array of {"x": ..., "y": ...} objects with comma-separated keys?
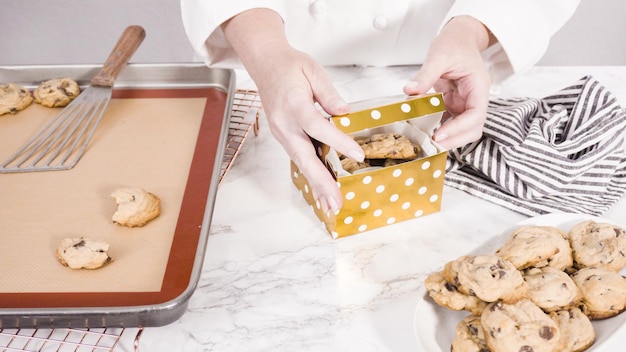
[{"x": 561, "y": 153}]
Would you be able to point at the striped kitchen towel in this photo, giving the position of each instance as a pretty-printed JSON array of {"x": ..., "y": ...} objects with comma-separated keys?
[{"x": 561, "y": 153}]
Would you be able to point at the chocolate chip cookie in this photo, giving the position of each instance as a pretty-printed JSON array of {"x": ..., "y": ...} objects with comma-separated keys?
[
  {"x": 351, "y": 165},
  {"x": 13, "y": 98},
  {"x": 135, "y": 206},
  {"x": 388, "y": 146},
  {"x": 604, "y": 292},
  {"x": 520, "y": 327},
  {"x": 83, "y": 253},
  {"x": 551, "y": 289},
  {"x": 600, "y": 245},
  {"x": 469, "y": 336},
  {"x": 56, "y": 92},
  {"x": 487, "y": 277},
  {"x": 536, "y": 246},
  {"x": 577, "y": 332},
  {"x": 447, "y": 295}
]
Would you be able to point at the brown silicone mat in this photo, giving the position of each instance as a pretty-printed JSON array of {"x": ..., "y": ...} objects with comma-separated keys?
[{"x": 162, "y": 140}]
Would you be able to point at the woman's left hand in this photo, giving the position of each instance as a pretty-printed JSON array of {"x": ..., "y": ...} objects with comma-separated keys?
[{"x": 454, "y": 66}]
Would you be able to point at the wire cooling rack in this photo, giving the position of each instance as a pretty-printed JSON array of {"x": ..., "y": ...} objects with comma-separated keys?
[
  {"x": 66, "y": 340},
  {"x": 244, "y": 116}
]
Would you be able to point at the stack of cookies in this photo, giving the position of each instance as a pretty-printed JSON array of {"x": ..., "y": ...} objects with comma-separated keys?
[
  {"x": 381, "y": 150},
  {"x": 538, "y": 292}
]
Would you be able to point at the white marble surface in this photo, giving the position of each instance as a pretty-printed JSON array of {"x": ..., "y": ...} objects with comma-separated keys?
[{"x": 274, "y": 280}]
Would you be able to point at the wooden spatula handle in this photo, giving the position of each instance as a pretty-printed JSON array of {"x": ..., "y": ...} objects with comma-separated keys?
[{"x": 121, "y": 53}]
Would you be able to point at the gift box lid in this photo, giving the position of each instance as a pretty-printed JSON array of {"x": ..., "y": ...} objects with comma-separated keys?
[{"x": 372, "y": 113}]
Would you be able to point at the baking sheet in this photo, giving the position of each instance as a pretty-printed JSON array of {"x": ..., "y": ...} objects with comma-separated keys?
[{"x": 163, "y": 138}]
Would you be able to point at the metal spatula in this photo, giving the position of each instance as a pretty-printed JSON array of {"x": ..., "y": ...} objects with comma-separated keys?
[{"x": 63, "y": 141}]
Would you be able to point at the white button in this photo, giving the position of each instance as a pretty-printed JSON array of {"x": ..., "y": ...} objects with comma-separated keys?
[
  {"x": 318, "y": 7},
  {"x": 380, "y": 22}
]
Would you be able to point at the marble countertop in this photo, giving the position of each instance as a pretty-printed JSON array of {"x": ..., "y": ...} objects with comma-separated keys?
[{"x": 274, "y": 280}]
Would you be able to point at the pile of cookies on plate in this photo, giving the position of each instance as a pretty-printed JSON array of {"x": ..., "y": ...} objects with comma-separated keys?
[
  {"x": 57, "y": 92},
  {"x": 537, "y": 292}
]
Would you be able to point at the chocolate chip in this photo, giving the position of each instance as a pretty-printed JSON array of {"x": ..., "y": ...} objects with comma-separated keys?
[
  {"x": 496, "y": 305},
  {"x": 494, "y": 331},
  {"x": 546, "y": 333},
  {"x": 501, "y": 264},
  {"x": 450, "y": 287},
  {"x": 81, "y": 243},
  {"x": 526, "y": 349},
  {"x": 473, "y": 330}
]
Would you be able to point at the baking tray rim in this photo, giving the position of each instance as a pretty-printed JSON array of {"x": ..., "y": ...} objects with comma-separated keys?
[{"x": 134, "y": 75}]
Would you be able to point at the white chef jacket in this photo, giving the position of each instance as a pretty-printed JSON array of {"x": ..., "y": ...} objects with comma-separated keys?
[{"x": 382, "y": 32}]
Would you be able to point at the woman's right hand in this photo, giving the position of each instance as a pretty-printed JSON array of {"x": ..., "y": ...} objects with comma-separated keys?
[{"x": 290, "y": 83}]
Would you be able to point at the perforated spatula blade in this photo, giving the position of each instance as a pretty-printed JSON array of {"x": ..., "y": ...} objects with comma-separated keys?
[{"x": 64, "y": 140}]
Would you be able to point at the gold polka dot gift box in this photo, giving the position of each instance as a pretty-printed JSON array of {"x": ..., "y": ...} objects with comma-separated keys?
[{"x": 383, "y": 193}]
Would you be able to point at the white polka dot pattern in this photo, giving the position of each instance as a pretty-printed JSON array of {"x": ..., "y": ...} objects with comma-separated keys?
[
  {"x": 386, "y": 195},
  {"x": 382, "y": 197},
  {"x": 378, "y": 198},
  {"x": 386, "y": 114}
]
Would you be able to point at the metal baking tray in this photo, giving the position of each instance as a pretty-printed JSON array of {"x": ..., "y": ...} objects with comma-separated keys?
[{"x": 60, "y": 309}]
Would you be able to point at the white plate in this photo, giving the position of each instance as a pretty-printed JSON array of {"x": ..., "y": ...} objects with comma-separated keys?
[{"x": 434, "y": 325}]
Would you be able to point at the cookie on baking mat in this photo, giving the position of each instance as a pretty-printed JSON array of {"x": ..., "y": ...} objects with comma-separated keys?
[
  {"x": 604, "y": 292},
  {"x": 83, "y": 253},
  {"x": 521, "y": 326},
  {"x": 577, "y": 332},
  {"x": 600, "y": 245},
  {"x": 469, "y": 336},
  {"x": 13, "y": 98},
  {"x": 135, "y": 206},
  {"x": 57, "y": 92},
  {"x": 487, "y": 277}
]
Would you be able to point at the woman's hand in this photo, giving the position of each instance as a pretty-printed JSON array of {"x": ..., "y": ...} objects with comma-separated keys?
[
  {"x": 290, "y": 83},
  {"x": 455, "y": 67}
]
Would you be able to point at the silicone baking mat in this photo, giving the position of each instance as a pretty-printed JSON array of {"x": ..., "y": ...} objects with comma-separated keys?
[{"x": 162, "y": 140}]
